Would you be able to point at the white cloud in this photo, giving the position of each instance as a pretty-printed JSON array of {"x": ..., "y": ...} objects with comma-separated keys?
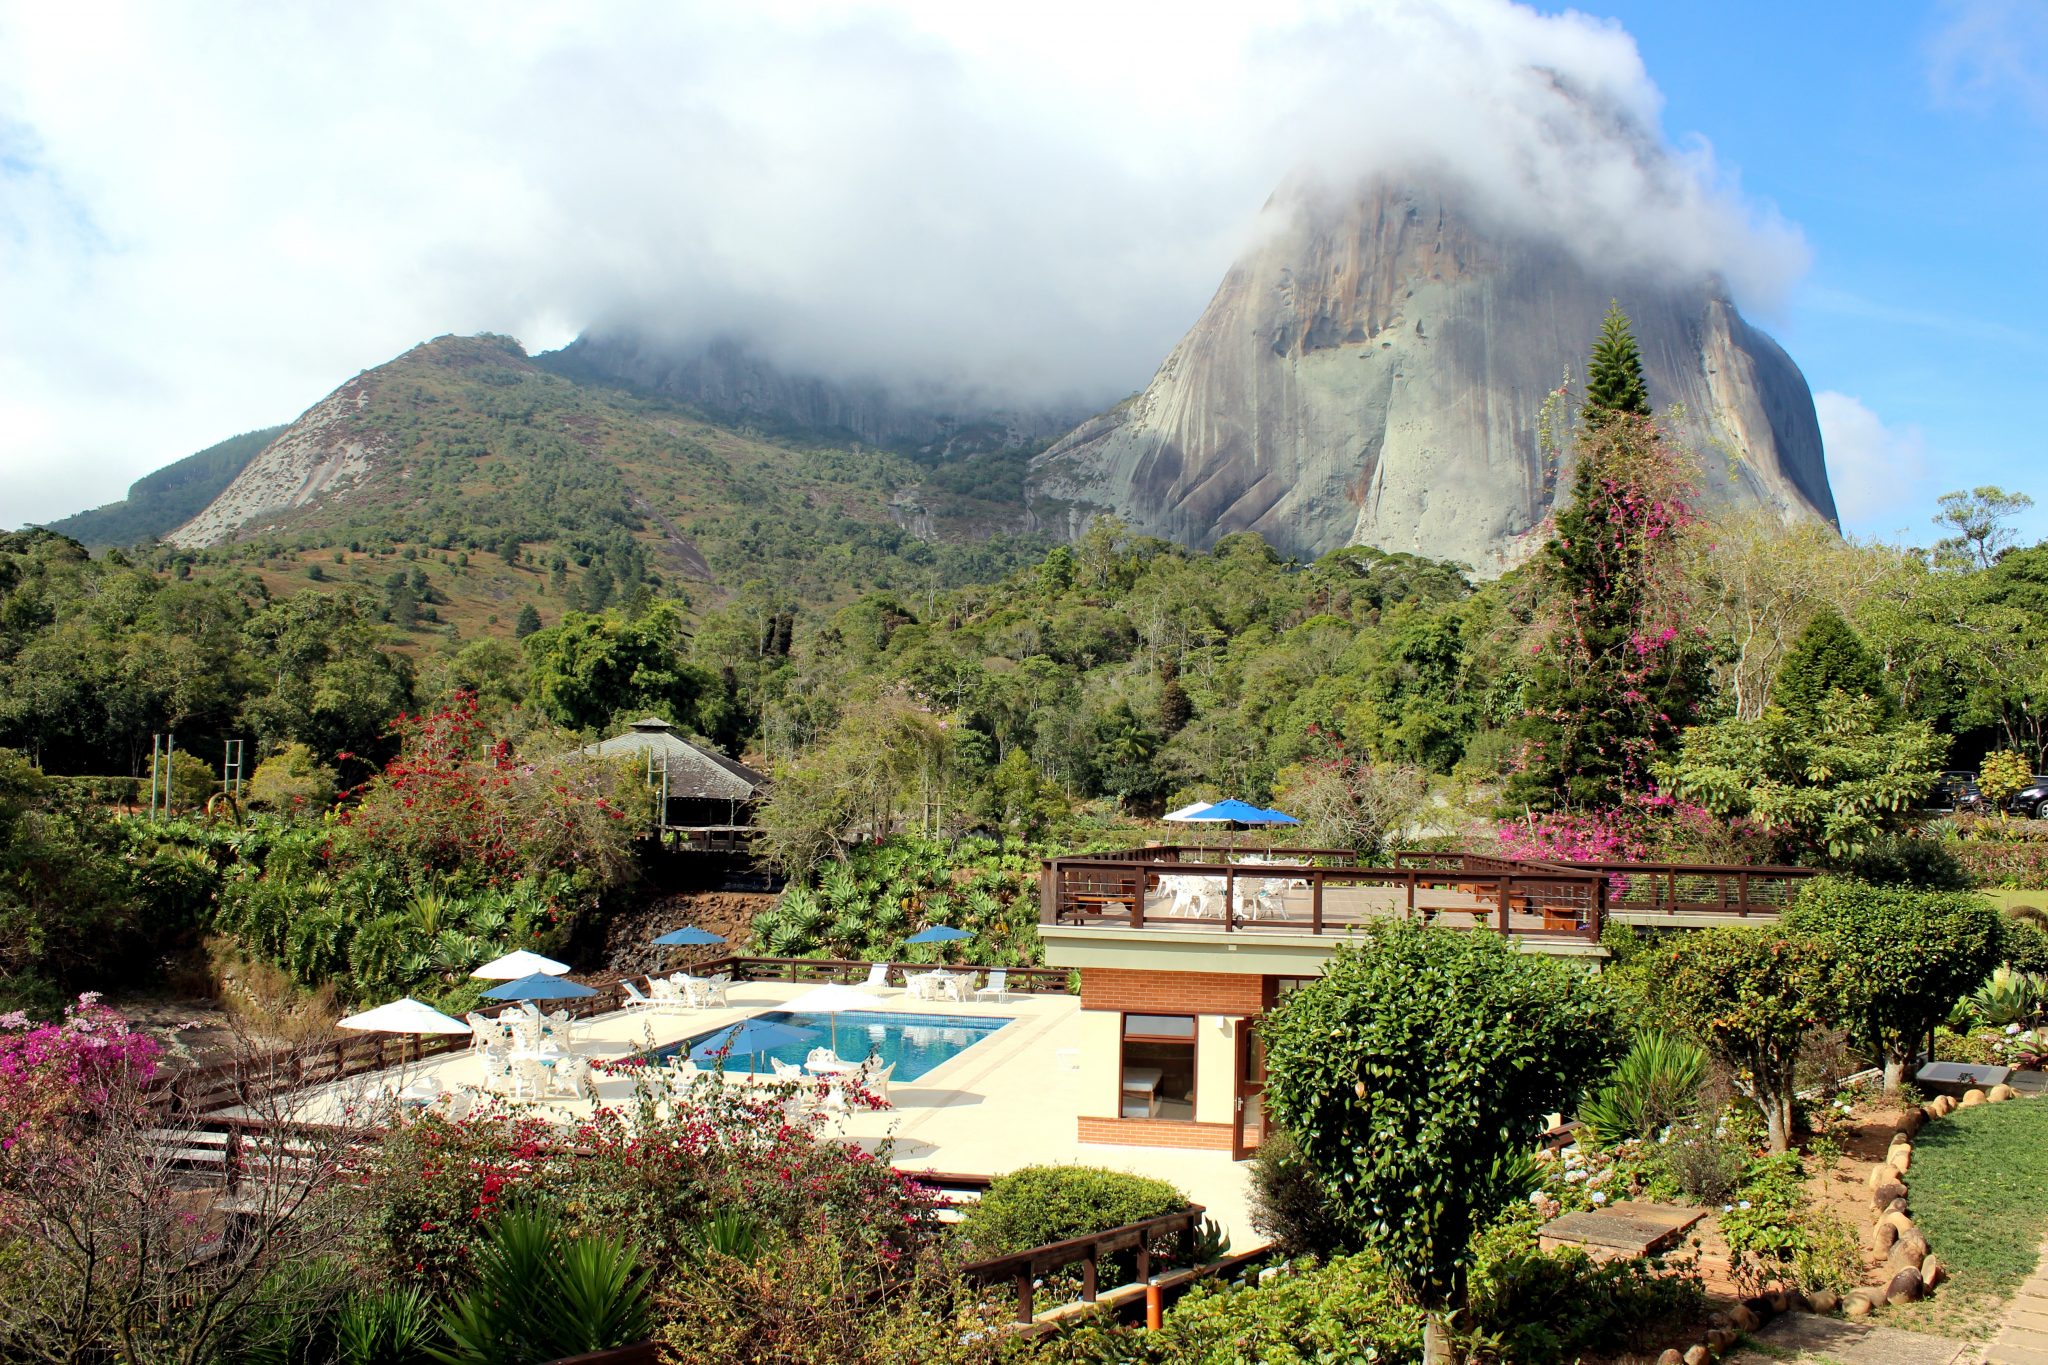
[
  {"x": 208, "y": 218},
  {"x": 1876, "y": 471},
  {"x": 1989, "y": 51}
]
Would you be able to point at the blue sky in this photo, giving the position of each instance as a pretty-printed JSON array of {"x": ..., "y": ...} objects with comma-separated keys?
[
  {"x": 208, "y": 224},
  {"x": 1910, "y": 144}
]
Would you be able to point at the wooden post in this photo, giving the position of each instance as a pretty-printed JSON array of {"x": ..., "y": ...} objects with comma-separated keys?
[
  {"x": 1503, "y": 891},
  {"x": 1138, "y": 899},
  {"x": 1144, "y": 1260},
  {"x": 1315, "y": 902},
  {"x": 1229, "y": 895},
  {"x": 1088, "y": 1273},
  {"x": 1024, "y": 1294},
  {"x": 231, "y": 1157}
]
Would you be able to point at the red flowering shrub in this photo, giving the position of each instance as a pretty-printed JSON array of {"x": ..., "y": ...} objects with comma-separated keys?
[
  {"x": 457, "y": 797},
  {"x": 652, "y": 1177}
]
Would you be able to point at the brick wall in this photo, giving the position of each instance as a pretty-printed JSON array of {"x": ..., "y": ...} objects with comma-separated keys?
[
  {"x": 1117, "y": 988},
  {"x": 1213, "y": 1137}
]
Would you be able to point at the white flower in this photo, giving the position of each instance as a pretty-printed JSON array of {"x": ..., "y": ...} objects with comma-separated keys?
[
  {"x": 2011, "y": 1029},
  {"x": 1536, "y": 1197},
  {"x": 1742, "y": 1204},
  {"x": 1599, "y": 1196}
]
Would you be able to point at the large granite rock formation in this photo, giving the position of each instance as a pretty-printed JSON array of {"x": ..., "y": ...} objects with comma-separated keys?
[{"x": 1375, "y": 371}]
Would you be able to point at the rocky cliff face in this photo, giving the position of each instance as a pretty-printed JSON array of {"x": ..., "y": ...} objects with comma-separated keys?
[
  {"x": 323, "y": 454},
  {"x": 732, "y": 383},
  {"x": 1374, "y": 373}
]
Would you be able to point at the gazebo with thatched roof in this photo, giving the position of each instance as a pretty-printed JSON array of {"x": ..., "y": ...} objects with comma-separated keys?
[{"x": 707, "y": 799}]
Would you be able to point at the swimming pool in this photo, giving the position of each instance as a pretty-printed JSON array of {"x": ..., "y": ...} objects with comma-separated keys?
[{"x": 914, "y": 1042}]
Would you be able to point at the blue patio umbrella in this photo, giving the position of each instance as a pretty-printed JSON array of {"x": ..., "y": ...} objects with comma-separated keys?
[
  {"x": 1278, "y": 817},
  {"x": 1238, "y": 813},
  {"x": 539, "y": 986},
  {"x": 751, "y": 1037},
  {"x": 938, "y": 933},
  {"x": 690, "y": 936}
]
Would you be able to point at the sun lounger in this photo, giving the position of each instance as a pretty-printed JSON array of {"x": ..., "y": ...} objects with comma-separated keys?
[
  {"x": 634, "y": 999},
  {"x": 998, "y": 986},
  {"x": 878, "y": 977}
]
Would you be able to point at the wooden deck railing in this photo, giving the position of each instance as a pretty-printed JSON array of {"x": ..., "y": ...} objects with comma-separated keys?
[
  {"x": 1318, "y": 891},
  {"x": 1740, "y": 892},
  {"x": 1025, "y": 1267}
]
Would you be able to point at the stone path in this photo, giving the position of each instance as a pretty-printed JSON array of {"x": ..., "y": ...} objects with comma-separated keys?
[
  {"x": 2024, "y": 1337},
  {"x": 1804, "y": 1339}
]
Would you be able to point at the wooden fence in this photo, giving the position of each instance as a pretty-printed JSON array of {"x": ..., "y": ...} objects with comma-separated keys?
[{"x": 1024, "y": 1268}]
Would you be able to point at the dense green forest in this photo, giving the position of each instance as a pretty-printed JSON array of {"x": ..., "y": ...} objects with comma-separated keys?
[
  {"x": 1649, "y": 683},
  {"x": 169, "y": 497}
]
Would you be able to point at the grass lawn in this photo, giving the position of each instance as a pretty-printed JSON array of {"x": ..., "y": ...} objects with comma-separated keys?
[{"x": 1980, "y": 1192}]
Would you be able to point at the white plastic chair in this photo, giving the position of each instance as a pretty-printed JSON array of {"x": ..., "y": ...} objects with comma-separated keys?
[
  {"x": 529, "y": 1079},
  {"x": 998, "y": 987},
  {"x": 878, "y": 976},
  {"x": 875, "y": 1079},
  {"x": 481, "y": 1030},
  {"x": 787, "y": 1071}
]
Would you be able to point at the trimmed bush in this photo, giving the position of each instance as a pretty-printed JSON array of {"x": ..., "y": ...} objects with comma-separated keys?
[
  {"x": 1288, "y": 1202},
  {"x": 1041, "y": 1204}
]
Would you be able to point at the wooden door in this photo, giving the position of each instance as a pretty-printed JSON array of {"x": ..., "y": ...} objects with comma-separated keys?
[{"x": 1248, "y": 1119}]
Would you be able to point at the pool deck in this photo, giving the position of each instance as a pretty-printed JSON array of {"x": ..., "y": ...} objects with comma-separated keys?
[{"x": 1010, "y": 1100}]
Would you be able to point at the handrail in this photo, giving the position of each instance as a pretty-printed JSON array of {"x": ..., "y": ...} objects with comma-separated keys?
[{"x": 1023, "y": 1267}]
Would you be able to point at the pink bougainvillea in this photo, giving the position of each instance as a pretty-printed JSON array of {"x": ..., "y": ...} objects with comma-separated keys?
[{"x": 51, "y": 1073}]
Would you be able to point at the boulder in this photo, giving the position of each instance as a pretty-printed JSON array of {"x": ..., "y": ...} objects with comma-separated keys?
[
  {"x": 1860, "y": 1303},
  {"x": 1697, "y": 1355},
  {"x": 1670, "y": 1356},
  {"x": 1779, "y": 1299},
  {"x": 1906, "y": 1254},
  {"x": 1896, "y": 1206},
  {"x": 1932, "y": 1272},
  {"x": 1884, "y": 1237},
  {"x": 1972, "y": 1096},
  {"x": 1905, "y": 1287},
  {"x": 1884, "y": 1194},
  {"x": 1897, "y": 1220},
  {"x": 1901, "y": 1159},
  {"x": 1719, "y": 1339},
  {"x": 1823, "y": 1301},
  {"x": 1744, "y": 1318},
  {"x": 1910, "y": 1122},
  {"x": 2000, "y": 1093}
]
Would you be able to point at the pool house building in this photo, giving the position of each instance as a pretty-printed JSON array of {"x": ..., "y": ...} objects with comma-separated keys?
[{"x": 1180, "y": 949}]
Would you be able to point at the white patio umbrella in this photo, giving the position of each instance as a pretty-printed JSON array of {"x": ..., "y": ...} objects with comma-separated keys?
[
  {"x": 405, "y": 1015},
  {"x": 512, "y": 966},
  {"x": 1192, "y": 815},
  {"x": 832, "y": 1000}
]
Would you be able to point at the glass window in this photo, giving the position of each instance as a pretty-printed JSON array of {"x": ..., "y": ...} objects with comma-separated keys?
[{"x": 1158, "y": 1071}]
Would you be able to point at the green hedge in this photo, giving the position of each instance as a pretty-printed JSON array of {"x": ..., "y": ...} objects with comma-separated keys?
[{"x": 1040, "y": 1204}]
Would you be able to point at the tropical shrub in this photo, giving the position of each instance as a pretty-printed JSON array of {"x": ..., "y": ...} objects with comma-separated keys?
[
  {"x": 1538, "y": 1307},
  {"x": 293, "y": 778},
  {"x": 1774, "y": 1233},
  {"x": 2009, "y": 997},
  {"x": 1654, "y": 1086},
  {"x": 535, "y": 1293},
  {"x": 2001, "y": 776},
  {"x": 1415, "y": 1072}
]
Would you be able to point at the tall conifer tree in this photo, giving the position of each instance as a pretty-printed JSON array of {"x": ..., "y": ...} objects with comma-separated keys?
[{"x": 1614, "y": 376}]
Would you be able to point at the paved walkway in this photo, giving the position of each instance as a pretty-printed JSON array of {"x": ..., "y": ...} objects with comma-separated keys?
[
  {"x": 1803, "y": 1339},
  {"x": 2024, "y": 1338}
]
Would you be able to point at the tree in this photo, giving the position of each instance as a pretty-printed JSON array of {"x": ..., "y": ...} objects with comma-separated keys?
[
  {"x": 1902, "y": 957},
  {"x": 1826, "y": 785},
  {"x": 1614, "y": 672},
  {"x": 1348, "y": 802},
  {"x": 1416, "y": 1070},
  {"x": 590, "y": 669},
  {"x": 2002, "y": 776},
  {"x": 527, "y": 622},
  {"x": 1829, "y": 657},
  {"x": 292, "y": 779},
  {"x": 1750, "y": 994},
  {"x": 1614, "y": 378},
  {"x": 1978, "y": 519},
  {"x": 1018, "y": 800}
]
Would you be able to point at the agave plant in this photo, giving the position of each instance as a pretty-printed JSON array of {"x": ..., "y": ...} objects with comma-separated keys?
[
  {"x": 1656, "y": 1084},
  {"x": 2009, "y": 997},
  {"x": 429, "y": 908}
]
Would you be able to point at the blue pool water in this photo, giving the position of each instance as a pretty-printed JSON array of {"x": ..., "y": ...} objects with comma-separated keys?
[{"x": 914, "y": 1042}]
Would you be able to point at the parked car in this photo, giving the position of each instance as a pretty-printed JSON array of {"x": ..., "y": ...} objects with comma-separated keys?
[
  {"x": 1955, "y": 790},
  {"x": 2031, "y": 800}
]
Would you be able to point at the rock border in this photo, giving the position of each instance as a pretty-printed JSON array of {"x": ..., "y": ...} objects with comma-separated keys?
[{"x": 1911, "y": 1269}]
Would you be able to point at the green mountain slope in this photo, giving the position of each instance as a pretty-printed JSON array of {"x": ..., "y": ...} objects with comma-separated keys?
[
  {"x": 169, "y": 497},
  {"x": 504, "y": 486}
]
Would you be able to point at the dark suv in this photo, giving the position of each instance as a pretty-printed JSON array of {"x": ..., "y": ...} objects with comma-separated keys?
[
  {"x": 1955, "y": 790},
  {"x": 2031, "y": 799}
]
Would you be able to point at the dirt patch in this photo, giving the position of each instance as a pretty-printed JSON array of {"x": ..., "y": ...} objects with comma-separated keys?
[
  {"x": 194, "y": 1030},
  {"x": 627, "y": 937}
]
